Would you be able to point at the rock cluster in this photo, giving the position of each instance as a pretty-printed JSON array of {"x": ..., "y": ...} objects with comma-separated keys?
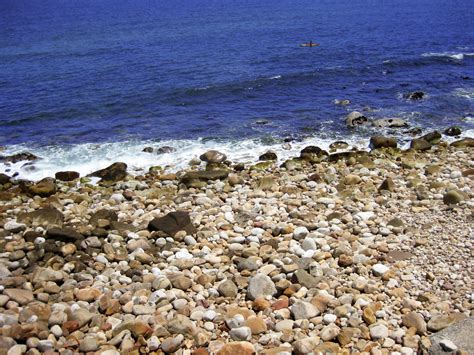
[{"x": 351, "y": 252}]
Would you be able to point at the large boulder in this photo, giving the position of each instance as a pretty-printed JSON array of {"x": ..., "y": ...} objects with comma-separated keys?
[
  {"x": 67, "y": 175},
  {"x": 192, "y": 177},
  {"x": 420, "y": 144},
  {"x": 432, "y": 137},
  {"x": 464, "y": 143},
  {"x": 390, "y": 123},
  {"x": 43, "y": 188},
  {"x": 355, "y": 118},
  {"x": 15, "y": 158},
  {"x": 112, "y": 173},
  {"x": 213, "y": 156},
  {"x": 377, "y": 142},
  {"x": 455, "y": 338},
  {"x": 42, "y": 217},
  {"x": 172, "y": 223}
]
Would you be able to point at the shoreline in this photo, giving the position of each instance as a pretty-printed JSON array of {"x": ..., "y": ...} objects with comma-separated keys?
[{"x": 343, "y": 252}]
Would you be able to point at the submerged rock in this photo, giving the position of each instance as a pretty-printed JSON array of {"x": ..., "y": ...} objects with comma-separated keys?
[
  {"x": 414, "y": 96},
  {"x": 15, "y": 158},
  {"x": 390, "y": 123}
]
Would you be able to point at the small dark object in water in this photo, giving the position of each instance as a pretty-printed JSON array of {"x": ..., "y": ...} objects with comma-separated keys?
[
  {"x": 148, "y": 150},
  {"x": 415, "y": 96},
  {"x": 452, "y": 131}
]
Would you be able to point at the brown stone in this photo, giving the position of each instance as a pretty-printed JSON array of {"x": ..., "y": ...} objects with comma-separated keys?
[{"x": 237, "y": 348}]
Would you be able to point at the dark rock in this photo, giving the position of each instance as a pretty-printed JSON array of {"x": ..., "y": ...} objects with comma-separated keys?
[
  {"x": 414, "y": 131},
  {"x": 305, "y": 279},
  {"x": 268, "y": 156},
  {"x": 43, "y": 217},
  {"x": 148, "y": 150},
  {"x": 356, "y": 118},
  {"x": 464, "y": 143},
  {"x": 165, "y": 149},
  {"x": 4, "y": 179},
  {"x": 112, "y": 173},
  {"x": 213, "y": 156},
  {"x": 64, "y": 234},
  {"x": 67, "y": 175},
  {"x": 454, "y": 197},
  {"x": 432, "y": 137},
  {"x": 43, "y": 188},
  {"x": 414, "y": 96},
  {"x": 313, "y": 154},
  {"x": 228, "y": 289},
  {"x": 388, "y": 185},
  {"x": 339, "y": 145},
  {"x": 382, "y": 142},
  {"x": 420, "y": 144},
  {"x": 193, "y": 176},
  {"x": 452, "y": 131},
  {"x": 108, "y": 215},
  {"x": 459, "y": 333},
  {"x": 172, "y": 223},
  {"x": 15, "y": 158}
]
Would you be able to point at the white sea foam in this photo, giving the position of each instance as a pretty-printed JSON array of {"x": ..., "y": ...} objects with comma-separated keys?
[
  {"x": 275, "y": 77},
  {"x": 465, "y": 93},
  {"x": 452, "y": 55},
  {"x": 86, "y": 158}
]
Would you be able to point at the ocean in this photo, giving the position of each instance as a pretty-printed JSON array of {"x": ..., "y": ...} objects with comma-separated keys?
[{"x": 85, "y": 83}]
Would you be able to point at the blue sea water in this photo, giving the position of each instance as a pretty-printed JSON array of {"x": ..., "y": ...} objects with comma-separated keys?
[{"x": 84, "y": 72}]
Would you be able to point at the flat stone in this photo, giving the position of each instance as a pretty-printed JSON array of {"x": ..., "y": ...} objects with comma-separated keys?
[
  {"x": 20, "y": 296},
  {"x": 304, "y": 310},
  {"x": 172, "y": 223},
  {"x": 237, "y": 347},
  {"x": 415, "y": 320},
  {"x": 260, "y": 286},
  {"x": 459, "y": 334}
]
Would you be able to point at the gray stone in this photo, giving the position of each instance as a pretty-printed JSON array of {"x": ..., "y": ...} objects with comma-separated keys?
[
  {"x": 459, "y": 334},
  {"x": 304, "y": 310},
  {"x": 260, "y": 286}
]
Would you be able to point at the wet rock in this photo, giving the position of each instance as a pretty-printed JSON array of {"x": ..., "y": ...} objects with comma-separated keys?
[
  {"x": 463, "y": 143},
  {"x": 165, "y": 149},
  {"x": 4, "y": 179},
  {"x": 147, "y": 150},
  {"x": 312, "y": 153},
  {"x": 260, "y": 286},
  {"x": 213, "y": 156},
  {"x": 338, "y": 145},
  {"x": 355, "y": 119},
  {"x": 15, "y": 158},
  {"x": 112, "y": 173},
  {"x": 414, "y": 96},
  {"x": 172, "y": 223},
  {"x": 67, "y": 175},
  {"x": 420, "y": 144},
  {"x": 453, "y": 131},
  {"x": 268, "y": 156},
  {"x": 432, "y": 137},
  {"x": 377, "y": 142},
  {"x": 390, "y": 123},
  {"x": 43, "y": 188}
]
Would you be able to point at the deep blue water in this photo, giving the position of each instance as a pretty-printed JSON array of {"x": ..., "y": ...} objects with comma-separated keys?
[{"x": 94, "y": 71}]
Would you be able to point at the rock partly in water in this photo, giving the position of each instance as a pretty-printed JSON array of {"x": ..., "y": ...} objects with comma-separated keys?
[
  {"x": 67, "y": 175},
  {"x": 390, "y": 123},
  {"x": 453, "y": 131},
  {"x": 112, "y": 173},
  {"x": 377, "y": 142},
  {"x": 15, "y": 158},
  {"x": 268, "y": 156},
  {"x": 213, "y": 156},
  {"x": 355, "y": 118},
  {"x": 414, "y": 96}
]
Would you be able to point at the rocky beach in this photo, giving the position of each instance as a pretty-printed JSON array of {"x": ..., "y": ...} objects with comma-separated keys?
[{"x": 341, "y": 251}]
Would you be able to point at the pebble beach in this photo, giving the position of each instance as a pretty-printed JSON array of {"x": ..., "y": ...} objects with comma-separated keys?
[{"x": 341, "y": 251}]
